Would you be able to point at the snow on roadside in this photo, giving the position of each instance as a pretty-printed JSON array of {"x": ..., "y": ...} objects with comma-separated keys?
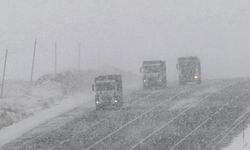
[
  {"x": 22, "y": 100},
  {"x": 16, "y": 130},
  {"x": 240, "y": 143},
  {"x": 83, "y": 100},
  {"x": 27, "y": 106}
]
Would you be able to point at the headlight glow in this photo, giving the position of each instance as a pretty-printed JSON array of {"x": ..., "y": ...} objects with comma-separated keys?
[{"x": 196, "y": 77}]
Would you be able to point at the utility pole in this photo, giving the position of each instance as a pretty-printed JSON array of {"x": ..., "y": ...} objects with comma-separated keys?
[
  {"x": 55, "y": 67},
  {"x": 4, "y": 70},
  {"x": 79, "y": 57},
  {"x": 33, "y": 62}
]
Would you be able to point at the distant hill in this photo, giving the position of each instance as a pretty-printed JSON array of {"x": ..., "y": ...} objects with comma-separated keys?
[{"x": 72, "y": 81}]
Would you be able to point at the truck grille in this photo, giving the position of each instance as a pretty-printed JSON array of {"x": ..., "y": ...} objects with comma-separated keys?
[{"x": 106, "y": 98}]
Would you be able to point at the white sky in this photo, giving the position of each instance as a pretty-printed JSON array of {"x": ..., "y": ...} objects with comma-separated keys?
[{"x": 125, "y": 32}]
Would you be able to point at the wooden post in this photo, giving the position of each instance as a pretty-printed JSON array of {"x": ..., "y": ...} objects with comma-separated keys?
[
  {"x": 33, "y": 62},
  {"x": 4, "y": 70}
]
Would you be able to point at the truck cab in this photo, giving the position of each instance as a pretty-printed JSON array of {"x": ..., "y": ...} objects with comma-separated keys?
[
  {"x": 154, "y": 74},
  {"x": 189, "y": 70},
  {"x": 108, "y": 91}
]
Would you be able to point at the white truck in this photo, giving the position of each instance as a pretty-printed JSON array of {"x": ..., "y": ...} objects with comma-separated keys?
[
  {"x": 189, "y": 70},
  {"x": 154, "y": 74},
  {"x": 108, "y": 91}
]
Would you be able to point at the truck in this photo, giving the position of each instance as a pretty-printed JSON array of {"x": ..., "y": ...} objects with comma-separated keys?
[
  {"x": 108, "y": 91},
  {"x": 154, "y": 74},
  {"x": 189, "y": 70}
]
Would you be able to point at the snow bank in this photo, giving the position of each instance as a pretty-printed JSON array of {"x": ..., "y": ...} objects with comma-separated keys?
[
  {"x": 239, "y": 142},
  {"x": 22, "y": 100},
  {"x": 16, "y": 130}
]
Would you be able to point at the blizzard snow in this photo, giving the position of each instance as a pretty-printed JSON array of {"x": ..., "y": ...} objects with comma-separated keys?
[
  {"x": 18, "y": 129},
  {"x": 25, "y": 105}
]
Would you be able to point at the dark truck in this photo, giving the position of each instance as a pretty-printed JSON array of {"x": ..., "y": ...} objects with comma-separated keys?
[
  {"x": 108, "y": 89},
  {"x": 154, "y": 74},
  {"x": 189, "y": 69}
]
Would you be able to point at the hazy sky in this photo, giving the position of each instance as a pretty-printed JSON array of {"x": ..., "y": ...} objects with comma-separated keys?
[{"x": 125, "y": 32}]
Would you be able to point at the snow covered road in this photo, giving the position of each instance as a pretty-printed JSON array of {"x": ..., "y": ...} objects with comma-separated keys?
[{"x": 136, "y": 126}]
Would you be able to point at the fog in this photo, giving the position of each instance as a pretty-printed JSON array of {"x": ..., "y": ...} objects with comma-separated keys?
[{"x": 124, "y": 33}]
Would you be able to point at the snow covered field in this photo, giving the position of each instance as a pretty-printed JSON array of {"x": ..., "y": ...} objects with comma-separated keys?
[
  {"x": 16, "y": 130},
  {"x": 22, "y": 100},
  {"x": 25, "y": 105}
]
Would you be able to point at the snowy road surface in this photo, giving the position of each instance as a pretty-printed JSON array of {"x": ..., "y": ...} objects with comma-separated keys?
[{"x": 191, "y": 117}]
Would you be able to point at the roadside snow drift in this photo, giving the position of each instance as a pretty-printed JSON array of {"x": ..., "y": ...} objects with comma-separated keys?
[
  {"x": 22, "y": 100},
  {"x": 48, "y": 97},
  {"x": 16, "y": 130}
]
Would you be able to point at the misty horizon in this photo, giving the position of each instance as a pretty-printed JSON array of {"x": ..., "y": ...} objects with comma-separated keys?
[{"x": 123, "y": 34}]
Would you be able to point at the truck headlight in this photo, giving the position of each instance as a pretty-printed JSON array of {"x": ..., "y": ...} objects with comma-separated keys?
[
  {"x": 97, "y": 102},
  {"x": 115, "y": 101},
  {"x": 196, "y": 77}
]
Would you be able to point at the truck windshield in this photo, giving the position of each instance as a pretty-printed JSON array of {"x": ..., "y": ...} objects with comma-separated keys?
[
  {"x": 105, "y": 86},
  {"x": 188, "y": 66},
  {"x": 152, "y": 68}
]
